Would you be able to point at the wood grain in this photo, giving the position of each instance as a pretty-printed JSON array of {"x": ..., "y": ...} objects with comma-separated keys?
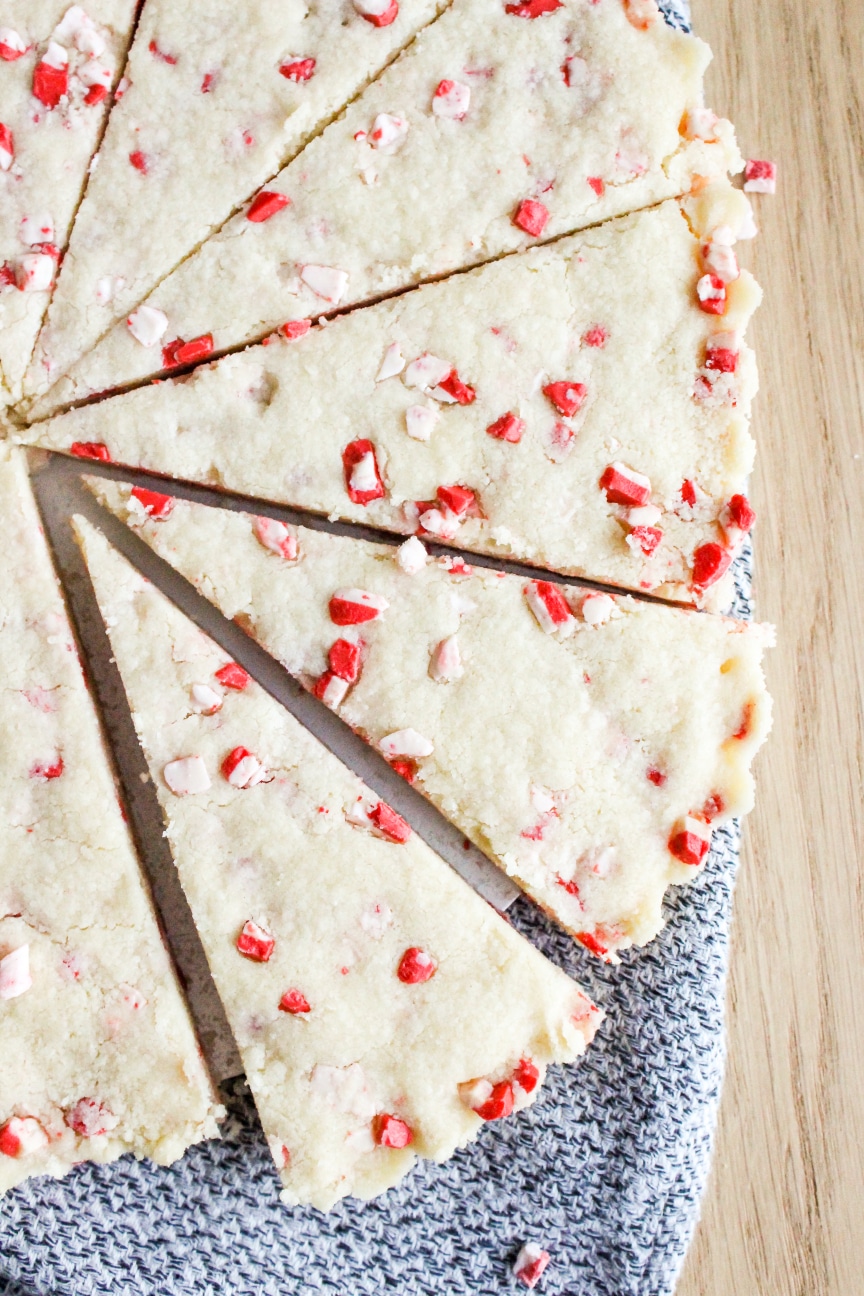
[{"x": 783, "y": 1213}]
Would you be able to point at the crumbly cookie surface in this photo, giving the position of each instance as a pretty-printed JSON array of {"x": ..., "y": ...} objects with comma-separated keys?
[
  {"x": 498, "y": 125},
  {"x": 558, "y": 380},
  {"x": 97, "y": 1053},
  {"x": 382, "y": 1009},
  {"x": 212, "y": 109},
  {"x": 586, "y": 743}
]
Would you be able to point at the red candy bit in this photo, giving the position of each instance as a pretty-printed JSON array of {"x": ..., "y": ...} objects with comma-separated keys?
[
  {"x": 595, "y": 336},
  {"x": 178, "y": 352},
  {"x": 140, "y": 161},
  {"x": 741, "y": 513},
  {"x": 154, "y": 49},
  {"x": 646, "y": 537},
  {"x": 598, "y": 184},
  {"x": 255, "y": 943},
  {"x": 641, "y": 14},
  {"x": 362, "y": 476},
  {"x": 389, "y": 824},
  {"x": 242, "y": 769},
  {"x": 232, "y": 676},
  {"x": 50, "y": 83},
  {"x": 688, "y": 492},
  {"x": 208, "y": 82},
  {"x": 95, "y": 95},
  {"x": 530, "y": 1264},
  {"x": 344, "y": 659},
  {"x": 354, "y": 606},
  {"x": 416, "y": 966},
  {"x": 656, "y": 776},
  {"x": 407, "y": 769},
  {"x": 711, "y": 292},
  {"x": 533, "y": 8},
  {"x": 458, "y": 499},
  {"x": 455, "y": 387},
  {"x": 760, "y": 176},
  {"x": 90, "y": 450},
  {"x": 624, "y": 486},
  {"x": 294, "y": 1002},
  {"x": 599, "y": 942},
  {"x": 47, "y": 770},
  {"x": 714, "y": 806},
  {"x": 507, "y": 428},
  {"x": 721, "y": 359},
  {"x": 330, "y": 689},
  {"x": 567, "y": 397},
  {"x": 526, "y": 1075},
  {"x": 12, "y": 46},
  {"x": 22, "y": 1135},
  {"x": 690, "y": 840},
  {"x": 377, "y": 13},
  {"x": 7, "y": 148},
  {"x": 531, "y": 216},
  {"x": 155, "y": 505},
  {"x": 499, "y": 1103},
  {"x": 295, "y": 329},
  {"x": 90, "y": 1118},
  {"x": 391, "y": 1132},
  {"x": 548, "y": 605},
  {"x": 275, "y": 536},
  {"x": 266, "y": 204},
  {"x": 746, "y": 721},
  {"x": 710, "y": 561},
  {"x": 298, "y": 69}
]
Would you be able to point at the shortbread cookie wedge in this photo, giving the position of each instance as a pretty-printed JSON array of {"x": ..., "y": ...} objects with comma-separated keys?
[
  {"x": 382, "y": 1009},
  {"x": 213, "y": 107},
  {"x": 501, "y": 124},
  {"x": 97, "y": 1053},
  {"x": 588, "y": 744},
  {"x": 59, "y": 64},
  {"x": 524, "y": 409}
]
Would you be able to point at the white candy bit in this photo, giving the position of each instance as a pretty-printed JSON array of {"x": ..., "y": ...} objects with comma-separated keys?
[
  {"x": 426, "y": 372},
  {"x": 12, "y": 44},
  {"x": 760, "y": 177},
  {"x": 205, "y": 700},
  {"x": 392, "y": 364},
  {"x": 358, "y": 814},
  {"x": 376, "y": 919},
  {"x": 597, "y": 609},
  {"x": 333, "y": 694},
  {"x": 719, "y": 259},
  {"x": 36, "y": 229},
  {"x": 439, "y": 522},
  {"x": 186, "y": 775},
  {"x": 388, "y": 133},
  {"x": 15, "y": 976},
  {"x": 406, "y": 742},
  {"x": 644, "y": 515},
  {"x": 364, "y": 474},
  {"x": 147, "y": 325},
  {"x": 7, "y": 148},
  {"x": 530, "y": 1263},
  {"x": 419, "y": 421},
  {"x": 412, "y": 556},
  {"x": 549, "y": 607},
  {"x": 700, "y": 123},
  {"x": 446, "y": 662},
  {"x": 748, "y": 228},
  {"x": 247, "y": 772},
  {"x": 451, "y": 99},
  {"x": 95, "y": 73},
  {"x": 55, "y": 56},
  {"x": 22, "y": 1136},
  {"x": 78, "y": 28},
  {"x": 326, "y": 282},
  {"x": 707, "y": 290},
  {"x": 275, "y": 536},
  {"x": 35, "y": 272},
  {"x": 374, "y": 8}
]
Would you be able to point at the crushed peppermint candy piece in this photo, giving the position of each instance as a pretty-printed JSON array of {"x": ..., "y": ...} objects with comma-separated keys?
[
  {"x": 154, "y": 504},
  {"x": 242, "y": 769},
  {"x": 354, "y": 606},
  {"x": 596, "y": 336},
  {"x": 452, "y": 390},
  {"x": 12, "y": 46},
  {"x": 186, "y": 775},
  {"x": 458, "y": 499},
  {"x": 507, "y": 428},
  {"x": 91, "y": 450},
  {"x": 596, "y": 609},
  {"x": 419, "y": 421},
  {"x": 90, "y": 1118},
  {"x": 22, "y": 1136},
  {"x": 530, "y": 1264},
  {"x": 644, "y": 539},
  {"x": 178, "y": 352},
  {"x": 711, "y": 292},
  {"x": 35, "y": 230},
  {"x": 722, "y": 354},
  {"x": 294, "y": 1002},
  {"x": 416, "y": 966},
  {"x": 406, "y": 742},
  {"x": 331, "y": 689},
  {"x": 344, "y": 659},
  {"x": 625, "y": 486},
  {"x": 445, "y": 663},
  {"x": 490, "y": 1101},
  {"x": 549, "y": 607},
  {"x": 737, "y": 518},
  {"x": 412, "y": 556},
  {"x": 690, "y": 840},
  {"x": 362, "y": 476},
  {"x": 426, "y": 372},
  {"x": 451, "y": 99},
  {"x": 51, "y": 75},
  {"x": 147, "y": 325},
  {"x": 35, "y": 272},
  {"x": 266, "y": 204},
  {"x": 297, "y": 69},
  {"x": 700, "y": 123},
  {"x": 255, "y": 942},
  {"x": 325, "y": 281},
  {"x": 760, "y": 177},
  {"x": 710, "y": 562},
  {"x": 205, "y": 700},
  {"x": 720, "y": 261},
  {"x": 531, "y": 216},
  {"x": 391, "y": 1132},
  {"x": 381, "y": 13},
  {"x": 276, "y": 536},
  {"x": 386, "y": 823},
  {"x": 15, "y": 978},
  {"x": 7, "y": 148},
  {"x": 567, "y": 397},
  {"x": 392, "y": 364},
  {"x": 526, "y": 1076},
  {"x": 233, "y": 676},
  {"x": 533, "y": 8},
  {"x": 388, "y": 133},
  {"x": 641, "y": 14}
]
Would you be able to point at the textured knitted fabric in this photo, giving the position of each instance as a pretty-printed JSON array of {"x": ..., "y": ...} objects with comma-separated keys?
[{"x": 605, "y": 1170}]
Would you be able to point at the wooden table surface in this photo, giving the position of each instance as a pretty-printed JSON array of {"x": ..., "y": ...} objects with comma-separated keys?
[{"x": 784, "y": 1212}]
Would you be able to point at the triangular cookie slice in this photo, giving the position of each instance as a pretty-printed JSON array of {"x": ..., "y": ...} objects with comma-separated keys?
[
  {"x": 501, "y": 124},
  {"x": 58, "y": 66},
  {"x": 588, "y": 744},
  {"x": 213, "y": 107},
  {"x": 572, "y": 407},
  {"x": 382, "y": 1009},
  {"x": 97, "y": 1052}
]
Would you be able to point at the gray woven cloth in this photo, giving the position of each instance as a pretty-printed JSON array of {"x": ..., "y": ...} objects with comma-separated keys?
[{"x": 605, "y": 1170}]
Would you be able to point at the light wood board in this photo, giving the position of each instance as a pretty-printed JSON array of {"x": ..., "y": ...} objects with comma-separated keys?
[{"x": 784, "y": 1213}]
